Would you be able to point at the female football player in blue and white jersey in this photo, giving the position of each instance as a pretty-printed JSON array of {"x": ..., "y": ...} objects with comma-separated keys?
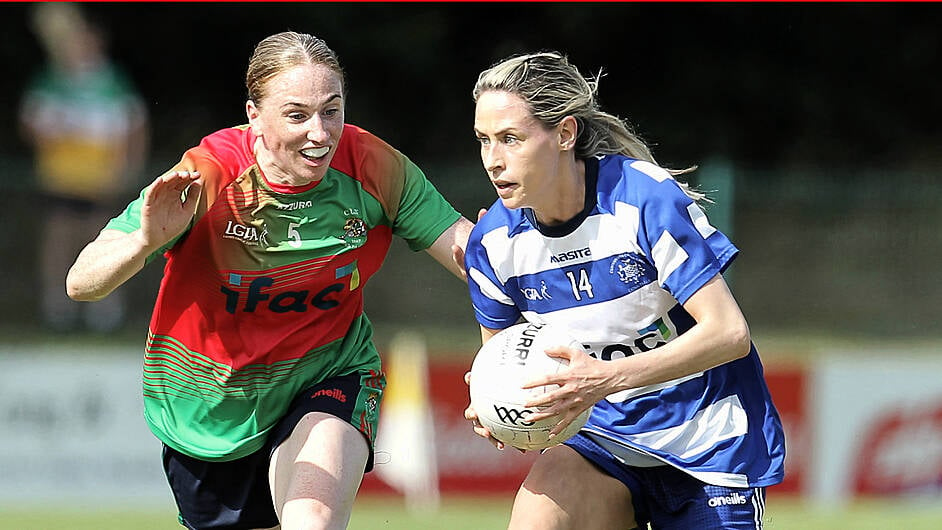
[{"x": 589, "y": 233}]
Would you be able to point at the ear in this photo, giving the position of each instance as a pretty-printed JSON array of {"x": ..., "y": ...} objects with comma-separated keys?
[
  {"x": 568, "y": 131},
  {"x": 252, "y": 113}
]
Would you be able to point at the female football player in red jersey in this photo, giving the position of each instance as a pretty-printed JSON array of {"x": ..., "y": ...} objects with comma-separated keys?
[{"x": 260, "y": 375}]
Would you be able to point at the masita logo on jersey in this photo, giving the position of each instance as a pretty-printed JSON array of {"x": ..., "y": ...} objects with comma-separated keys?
[
  {"x": 570, "y": 255},
  {"x": 259, "y": 294}
]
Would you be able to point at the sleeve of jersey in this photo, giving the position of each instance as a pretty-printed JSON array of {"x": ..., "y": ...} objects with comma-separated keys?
[
  {"x": 423, "y": 212},
  {"x": 130, "y": 219},
  {"x": 493, "y": 308},
  {"x": 676, "y": 234}
]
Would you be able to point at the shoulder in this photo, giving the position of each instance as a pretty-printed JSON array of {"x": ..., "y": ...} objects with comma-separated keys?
[
  {"x": 635, "y": 182},
  {"x": 498, "y": 219},
  {"x": 361, "y": 154},
  {"x": 613, "y": 168},
  {"x": 224, "y": 154},
  {"x": 231, "y": 140},
  {"x": 231, "y": 145}
]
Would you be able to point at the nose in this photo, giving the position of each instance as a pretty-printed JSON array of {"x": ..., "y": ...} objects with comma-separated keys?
[
  {"x": 492, "y": 158},
  {"x": 317, "y": 132}
]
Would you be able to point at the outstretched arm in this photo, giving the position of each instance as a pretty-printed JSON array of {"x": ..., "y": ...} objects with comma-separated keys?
[
  {"x": 450, "y": 244},
  {"x": 115, "y": 256},
  {"x": 458, "y": 249}
]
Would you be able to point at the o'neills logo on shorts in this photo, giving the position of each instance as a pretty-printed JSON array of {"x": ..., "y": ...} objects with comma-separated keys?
[
  {"x": 731, "y": 499},
  {"x": 335, "y": 393}
]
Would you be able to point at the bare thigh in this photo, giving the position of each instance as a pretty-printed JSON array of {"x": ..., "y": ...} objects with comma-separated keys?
[
  {"x": 564, "y": 491},
  {"x": 316, "y": 472}
]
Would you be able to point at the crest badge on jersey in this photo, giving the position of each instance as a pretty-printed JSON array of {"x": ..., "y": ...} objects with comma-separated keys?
[
  {"x": 628, "y": 269},
  {"x": 354, "y": 228}
]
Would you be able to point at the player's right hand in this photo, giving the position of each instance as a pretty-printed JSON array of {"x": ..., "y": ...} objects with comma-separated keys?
[
  {"x": 165, "y": 213},
  {"x": 479, "y": 429}
]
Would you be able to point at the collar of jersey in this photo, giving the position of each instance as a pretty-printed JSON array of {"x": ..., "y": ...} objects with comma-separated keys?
[{"x": 564, "y": 229}]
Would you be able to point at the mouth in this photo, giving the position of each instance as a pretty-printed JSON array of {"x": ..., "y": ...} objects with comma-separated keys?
[
  {"x": 315, "y": 154},
  {"x": 504, "y": 188}
]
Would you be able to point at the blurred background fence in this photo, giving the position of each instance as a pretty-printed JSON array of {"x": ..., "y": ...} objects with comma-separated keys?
[
  {"x": 816, "y": 125},
  {"x": 827, "y": 251}
]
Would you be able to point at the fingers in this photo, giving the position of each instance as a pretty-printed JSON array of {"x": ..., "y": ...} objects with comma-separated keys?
[
  {"x": 470, "y": 414},
  {"x": 561, "y": 352},
  {"x": 564, "y": 423},
  {"x": 180, "y": 178},
  {"x": 193, "y": 192},
  {"x": 481, "y": 430},
  {"x": 481, "y": 213},
  {"x": 174, "y": 181},
  {"x": 457, "y": 255}
]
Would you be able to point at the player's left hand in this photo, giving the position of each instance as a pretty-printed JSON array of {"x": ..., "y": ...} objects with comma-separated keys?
[{"x": 586, "y": 381}]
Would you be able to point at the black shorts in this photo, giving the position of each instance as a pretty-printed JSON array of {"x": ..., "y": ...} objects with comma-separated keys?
[
  {"x": 235, "y": 495},
  {"x": 667, "y": 497}
]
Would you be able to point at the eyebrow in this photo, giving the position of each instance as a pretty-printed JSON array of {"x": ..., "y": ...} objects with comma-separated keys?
[
  {"x": 327, "y": 101},
  {"x": 505, "y": 130}
]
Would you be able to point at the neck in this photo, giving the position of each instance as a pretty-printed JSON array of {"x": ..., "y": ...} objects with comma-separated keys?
[
  {"x": 273, "y": 173},
  {"x": 567, "y": 197}
]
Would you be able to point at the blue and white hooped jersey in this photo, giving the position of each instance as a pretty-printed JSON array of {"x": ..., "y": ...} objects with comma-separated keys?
[{"x": 616, "y": 276}]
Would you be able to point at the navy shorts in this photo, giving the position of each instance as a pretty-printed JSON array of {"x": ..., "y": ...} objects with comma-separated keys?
[
  {"x": 669, "y": 499},
  {"x": 235, "y": 495}
]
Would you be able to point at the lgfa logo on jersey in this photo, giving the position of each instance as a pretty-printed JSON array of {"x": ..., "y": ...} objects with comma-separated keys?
[
  {"x": 532, "y": 293},
  {"x": 248, "y": 234}
]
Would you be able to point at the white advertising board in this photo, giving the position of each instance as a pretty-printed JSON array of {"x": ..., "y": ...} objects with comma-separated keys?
[
  {"x": 72, "y": 428},
  {"x": 878, "y": 427}
]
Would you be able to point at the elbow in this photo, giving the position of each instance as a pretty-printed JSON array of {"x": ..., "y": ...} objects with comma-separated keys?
[
  {"x": 740, "y": 340},
  {"x": 83, "y": 296},
  {"x": 80, "y": 296},
  {"x": 78, "y": 292}
]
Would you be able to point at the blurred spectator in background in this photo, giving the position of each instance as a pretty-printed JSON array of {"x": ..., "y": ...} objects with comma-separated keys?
[{"x": 89, "y": 129}]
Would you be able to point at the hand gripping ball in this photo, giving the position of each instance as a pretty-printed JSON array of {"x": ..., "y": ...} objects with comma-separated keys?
[{"x": 509, "y": 359}]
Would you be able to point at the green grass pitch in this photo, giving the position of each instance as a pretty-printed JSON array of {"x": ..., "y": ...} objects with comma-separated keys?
[{"x": 470, "y": 513}]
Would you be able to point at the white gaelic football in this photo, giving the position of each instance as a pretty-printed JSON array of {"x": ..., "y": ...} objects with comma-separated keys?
[{"x": 508, "y": 360}]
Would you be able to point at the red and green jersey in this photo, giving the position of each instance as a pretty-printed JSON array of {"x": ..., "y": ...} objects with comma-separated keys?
[{"x": 263, "y": 295}]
